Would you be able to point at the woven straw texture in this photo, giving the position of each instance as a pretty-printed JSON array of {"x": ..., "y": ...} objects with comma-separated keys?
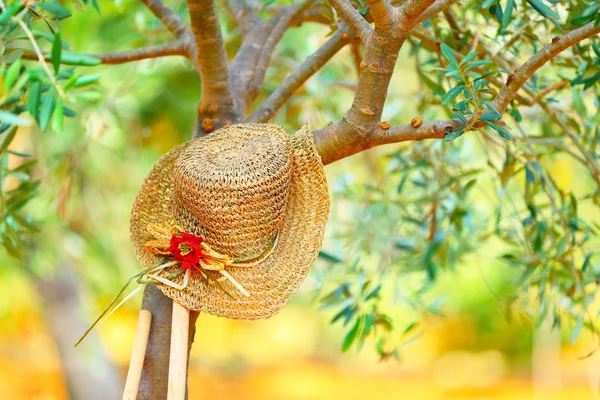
[{"x": 242, "y": 188}]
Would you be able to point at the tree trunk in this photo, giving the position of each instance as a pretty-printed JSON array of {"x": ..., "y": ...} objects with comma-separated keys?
[
  {"x": 89, "y": 373},
  {"x": 155, "y": 375}
]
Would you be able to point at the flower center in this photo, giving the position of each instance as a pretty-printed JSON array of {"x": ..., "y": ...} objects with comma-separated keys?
[{"x": 184, "y": 248}]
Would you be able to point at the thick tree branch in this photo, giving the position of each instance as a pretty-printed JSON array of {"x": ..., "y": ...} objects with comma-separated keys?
[
  {"x": 411, "y": 11},
  {"x": 154, "y": 380},
  {"x": 178, "y": 48},
  {"x": 217, "y": 107},
  {"x": 382, "y": 12},
  {"x": 352, "y": 18},
  {"x": 521, "y": 75},
  {"x": 244, "y": 15},
  {"x": 266, "y": 53},
  {"x": 243, "y": 66},
  {"x": 360, "y": 124},
  {"x": 168, "y": 18},
  {"x": 297, "y": 77},
  {"x": 251, "y": 61}
]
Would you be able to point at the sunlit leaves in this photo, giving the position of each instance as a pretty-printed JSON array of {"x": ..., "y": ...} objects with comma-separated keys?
[
  {"x": 358, "y": 305},
  {"x": 543, "y": 9}
]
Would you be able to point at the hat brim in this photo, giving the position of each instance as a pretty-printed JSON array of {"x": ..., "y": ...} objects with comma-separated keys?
[{"x": 271, "y": 282}]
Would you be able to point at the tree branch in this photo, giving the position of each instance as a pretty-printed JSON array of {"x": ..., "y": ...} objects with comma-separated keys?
[
  {"x": 154, "y": 380},
  {"x": 360, "y": 124},
  {"x": 411, "y": 11},
  {"x": 521, "y": 75},
  {"x": 336, "y": 142},
  {"x": 243, "y": 66},
  {"x": 244, "y": 15},
  {"x": 297, "y": 77},
  {"x": 168, "y": 17},
  {"x": 177, "y": 48},
  {"x": 352, "y": 18},
  {"x": 217, "y": 107},
  {"x": 250, "y": 63},
  {"x": 382, "y": 12}
]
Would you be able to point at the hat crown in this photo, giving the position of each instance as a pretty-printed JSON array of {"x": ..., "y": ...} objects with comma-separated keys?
[{"x": 231, "y": 188}]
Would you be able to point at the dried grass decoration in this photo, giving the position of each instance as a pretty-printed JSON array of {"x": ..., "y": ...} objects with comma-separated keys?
[{"x": 230, "y": 223}]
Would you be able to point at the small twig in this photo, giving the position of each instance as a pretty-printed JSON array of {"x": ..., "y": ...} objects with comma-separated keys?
[
  {"x": 521, "y": 75},
  {"x": 178, "y": 48},
  {"x": 542, "y": 93},
  {"x": 297, "y": 78},
  {"x": 353, "y": 18},
  {"x": 592, "y": 162},
  {"x": 244, "y": 15},
  {"x": 168, "y": 17},
  {"x": 38, "y": 52}
]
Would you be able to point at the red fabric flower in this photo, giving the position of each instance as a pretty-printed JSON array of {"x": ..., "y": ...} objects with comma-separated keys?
[{"x": 186, "y": 248}]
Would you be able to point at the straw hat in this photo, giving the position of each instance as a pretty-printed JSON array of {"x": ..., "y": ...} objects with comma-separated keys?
[{"x": 251, "y": 201}]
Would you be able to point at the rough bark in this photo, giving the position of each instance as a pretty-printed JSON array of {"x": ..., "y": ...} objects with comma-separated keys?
[{"x": 154, "y": 381}]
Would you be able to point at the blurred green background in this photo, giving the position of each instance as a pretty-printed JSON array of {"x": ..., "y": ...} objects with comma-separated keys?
[{"x": 465, "y": 338}]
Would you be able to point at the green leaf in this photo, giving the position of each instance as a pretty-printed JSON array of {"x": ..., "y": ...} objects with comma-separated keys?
[
  {"x": 9, "y": 12},
  {"x": 10, "y": 247},
  {"x": 577, "y": 330},
  {"x": 477, "y": 63},
  {"x": 58, "y": 116},
  {"x": 461, "y": 117},
  {"x": 7, "y": 137},
  {"x": 86, "y": 80},
  {"x": 507, "y": 13},
  {"x": 22, "y": 176},
  {"x": 447, "y": 52},
  {"x": 487, "y": 4},
  {"x": 25, "y": 166},
  {"x": 490, "y": 116},
  {"x": 48, "y": 103},
  {"x": 56, "y": 52},
  {"x": 499, "y": 129},
  {"x": 59, "y": 11},
  {"x": 351, "y": 335},
  {"x": 586, "y": 262},
  {"x": 468, "y": 57},
  {"x": 454, "y": 135},
  {"x": 33, "y": 99},
  {"x": 374, "y": 293},
  {"x": 347, "y": 312},
  {"x": 543, "y": 9},
  {"x": 12, "y": 119},
  {"x": 25, "y": 224},
  {"x": 452, "y": 94},
  {"x": 71, "y": 58},
  {"x": 330, "y": 257},
  {"x": 12, "y": 75}
]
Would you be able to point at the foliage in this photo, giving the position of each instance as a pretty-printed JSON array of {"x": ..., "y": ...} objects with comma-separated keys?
[{"x": 427, "y": 206}]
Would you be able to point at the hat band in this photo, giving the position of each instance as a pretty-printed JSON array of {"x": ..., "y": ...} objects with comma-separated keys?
[{"x": 190, "y": 253}]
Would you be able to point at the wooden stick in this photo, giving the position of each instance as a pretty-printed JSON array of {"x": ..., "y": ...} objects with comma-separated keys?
[
  {"x": 136, "y": 362},
  {"x": 179, "y": 352}
]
